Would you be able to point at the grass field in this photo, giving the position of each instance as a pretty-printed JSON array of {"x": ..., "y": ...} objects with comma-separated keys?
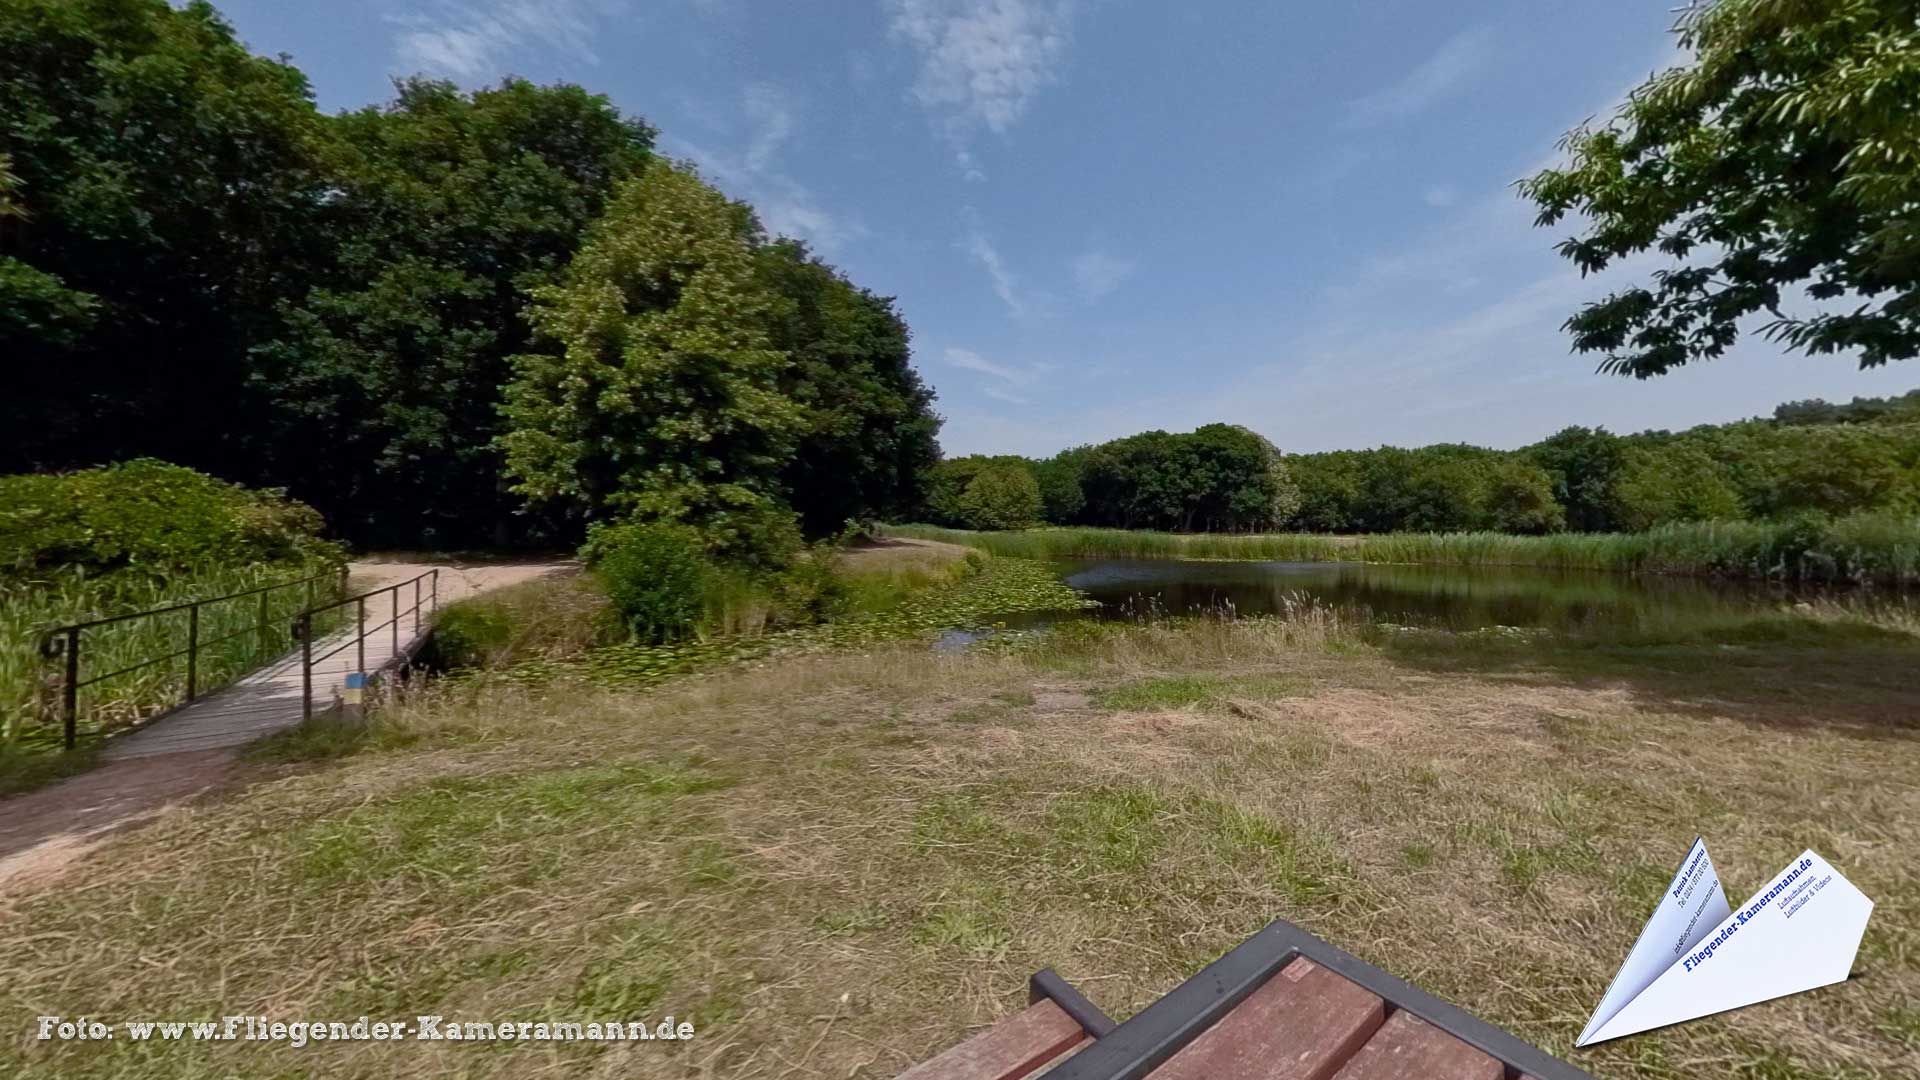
[
  {"x": 1863, "y": 548},
  {"x": 836, "y": 864}
]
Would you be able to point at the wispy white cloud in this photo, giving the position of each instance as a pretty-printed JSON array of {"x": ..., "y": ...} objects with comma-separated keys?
[
  {"x": 1440, "y": 196},
  {"x": 787, "y": 207},
  {"x": 1007, "y": 376},
  {"x": 1096, "y": 273},
  {"x": 977, "y": 245},
  {"x": 471, "y": 41},
  {"x": 968, "y": 360},
  {"x": 770, "y": 113},
  {"x": 982, "y": 61},
  {"x": 1459, "y": 59}
]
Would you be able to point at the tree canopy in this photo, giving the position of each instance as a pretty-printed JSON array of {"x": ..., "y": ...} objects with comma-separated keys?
[
  {"x": 163, "y": 187},
  {"x": 1785, "y": 159},
  {"x": 446, "y": 208},
  {"x": 1811, "y": 458},
  {"x": 198, "y": 265},
  {"x": 661, "y": 393}
]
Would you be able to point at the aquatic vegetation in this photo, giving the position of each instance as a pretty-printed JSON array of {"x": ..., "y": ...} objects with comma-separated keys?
[
  {"x": 1867, "y": 548},
  {"x": 1000, "y": 588}
]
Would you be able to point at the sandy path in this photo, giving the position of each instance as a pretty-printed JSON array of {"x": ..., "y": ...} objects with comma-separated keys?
[{"x": 43, "y": 832}]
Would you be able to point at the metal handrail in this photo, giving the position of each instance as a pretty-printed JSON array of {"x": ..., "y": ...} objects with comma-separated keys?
[
  {"x": 303, "y": 628},
  {"x": 64, "y": 643}
]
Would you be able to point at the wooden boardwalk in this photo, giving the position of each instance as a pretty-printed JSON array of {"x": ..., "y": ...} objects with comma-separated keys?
[{"x": 269, "y": 700}]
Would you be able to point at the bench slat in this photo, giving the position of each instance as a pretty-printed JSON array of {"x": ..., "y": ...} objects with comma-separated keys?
[
  {"x": 1408, "y": 1048},
  {"x": 1301, "y": 1024},
  {"x": 1009, "y": 1050}
]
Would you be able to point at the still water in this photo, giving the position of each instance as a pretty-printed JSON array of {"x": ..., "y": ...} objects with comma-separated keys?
[{"x": 1455, "y": 597}]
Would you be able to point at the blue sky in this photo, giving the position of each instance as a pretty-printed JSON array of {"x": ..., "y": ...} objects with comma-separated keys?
[{"x": 1102, "y": 217}]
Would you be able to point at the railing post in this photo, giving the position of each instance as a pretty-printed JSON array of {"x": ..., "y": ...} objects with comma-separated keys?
[
  {"x": 193, "y": 650},
  {"x": 395, "y": 594},
  {"x": 70, "y": 694},
  {"x": 360, "y": 644},
  {"x": 416, "y": 607},
  {"x": 436, "y": 590},
  {"x": 304, "y": 627}
]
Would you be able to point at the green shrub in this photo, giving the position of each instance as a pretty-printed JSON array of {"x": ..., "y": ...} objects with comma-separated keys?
[
  {"x": 656, "y": 575},
  {"x": 470, "y": 634},
  {"x": 151, "y": 516},
  {"x": 810, "y": 590},
  {"x": 757, "y": 536}
]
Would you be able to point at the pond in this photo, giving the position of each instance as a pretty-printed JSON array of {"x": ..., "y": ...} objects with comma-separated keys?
[{"x": 1453, "y": 597}]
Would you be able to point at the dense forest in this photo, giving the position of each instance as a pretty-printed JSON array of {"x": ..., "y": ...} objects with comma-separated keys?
[
  {"x": 453, "y": 318},
  {"x": 1810, "y": 457}
]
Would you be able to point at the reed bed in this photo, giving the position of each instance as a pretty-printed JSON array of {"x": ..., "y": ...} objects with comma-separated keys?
[
  {"x": 237, "y": 635},
  {"x": 1868, "y": 548}
]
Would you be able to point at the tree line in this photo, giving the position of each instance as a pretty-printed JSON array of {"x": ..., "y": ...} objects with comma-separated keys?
[
  {"x": 454, "y": 317},
  {"x": 1811, "y": 457}
]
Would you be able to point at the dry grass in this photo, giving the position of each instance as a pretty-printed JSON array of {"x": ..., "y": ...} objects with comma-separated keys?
[{"x": 836, "y": 865}]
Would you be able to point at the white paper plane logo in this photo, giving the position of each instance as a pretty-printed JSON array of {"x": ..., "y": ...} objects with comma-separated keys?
[{"x": 1697, "y": 956}]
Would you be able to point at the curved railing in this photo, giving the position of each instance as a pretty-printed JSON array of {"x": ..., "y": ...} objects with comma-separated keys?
[
  {"x": 68, "y": 644},
  {"x": 303, "y": 628}
]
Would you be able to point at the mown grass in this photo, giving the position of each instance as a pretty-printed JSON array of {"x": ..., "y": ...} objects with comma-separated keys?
[
  {"x": 838, "y": 863},
  {"x": 1867, "y": 548}
]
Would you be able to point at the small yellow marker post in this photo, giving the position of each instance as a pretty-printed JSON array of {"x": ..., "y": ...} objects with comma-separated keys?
[{"x": 353, "y": 697}]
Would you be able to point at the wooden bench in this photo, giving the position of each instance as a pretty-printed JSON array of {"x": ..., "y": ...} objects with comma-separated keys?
[{"x": 1283, "y": 1005}]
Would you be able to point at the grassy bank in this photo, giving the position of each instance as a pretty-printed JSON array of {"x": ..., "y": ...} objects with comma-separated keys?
[
  {"x": 836, "y": 863},
  {"x": 1863, "y": 548},
  {"x": 891, "y": 592}
]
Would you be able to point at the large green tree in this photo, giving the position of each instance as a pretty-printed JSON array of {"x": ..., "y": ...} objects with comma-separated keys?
[
  {"x": 687, "y": 370},
  {"x": 869, "y": 430},
  {"x": 1582, "y": 464},
  {"x": 1219, "y": 477},
  {"x": 1061, "y": 499},
  {"x": 165, "y": 184},
  {"x": 1677, "y": 481},
  {"x": 1785, "y": 157},
  {"x": 1001, "y": 496},
  {"x": 945, "y": 485},
  {"x": 660, "y": 390},
  {"x": 445, "y": 209}
]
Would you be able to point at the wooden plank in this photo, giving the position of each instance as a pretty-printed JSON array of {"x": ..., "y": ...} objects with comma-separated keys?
[
  {"x": 1009, "y": 1050},
  {"x": 1302, "y": 1024},
  {"x": 1408, "y": 1048},
  {"x": 266, "y": 701}
]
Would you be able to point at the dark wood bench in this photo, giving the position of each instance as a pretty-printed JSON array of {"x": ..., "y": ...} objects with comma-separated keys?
[{"x": 1283, "y": 1005}]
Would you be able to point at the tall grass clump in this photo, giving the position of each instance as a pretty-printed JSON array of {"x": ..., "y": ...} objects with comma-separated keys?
[
  {"x": 1869, "y": 548},
  {"x": 549, "y": 618},
  {"x": 133, "y": 537},
  {"x": 880, "y": 579}
]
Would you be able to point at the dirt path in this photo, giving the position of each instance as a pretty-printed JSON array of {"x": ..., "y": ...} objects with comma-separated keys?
[{"x": 43, "y": 832}]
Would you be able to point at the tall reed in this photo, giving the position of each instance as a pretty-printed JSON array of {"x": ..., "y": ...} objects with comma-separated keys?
[
  {"x": 238, "y": 635},
  {"x": 1866, "y": 548}
]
